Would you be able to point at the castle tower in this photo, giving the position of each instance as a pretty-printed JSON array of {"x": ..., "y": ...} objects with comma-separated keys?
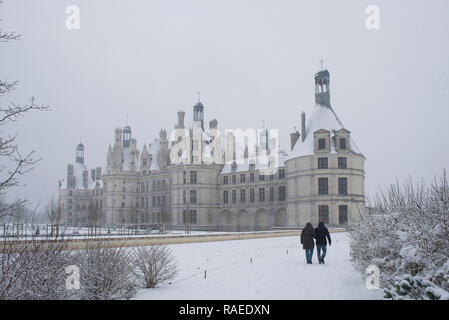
[
  {"x": 163, "y": 149},
  {"x": 198, "y": 114},
  {"x": 126, "y": 137},
  {"x": 80, "y": 153},
  {"x": 117, "y": 151},
  {"x": 322, "y": 88}
]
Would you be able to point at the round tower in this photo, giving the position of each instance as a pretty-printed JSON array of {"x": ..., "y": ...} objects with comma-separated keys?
[
  {"x": 126, "y": 137},
  {"x": 198, "y": 113},
  {"x": 80, "y": 153}
]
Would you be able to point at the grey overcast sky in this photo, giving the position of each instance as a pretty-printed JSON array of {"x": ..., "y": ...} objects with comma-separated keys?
[{"x": 252, "y": 60}]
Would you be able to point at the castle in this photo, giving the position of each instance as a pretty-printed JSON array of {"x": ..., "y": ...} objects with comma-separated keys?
[{"x": 194, "y": 179}]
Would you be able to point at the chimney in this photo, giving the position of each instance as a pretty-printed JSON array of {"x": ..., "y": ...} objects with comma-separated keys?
[{"x": 303, "y": 126}]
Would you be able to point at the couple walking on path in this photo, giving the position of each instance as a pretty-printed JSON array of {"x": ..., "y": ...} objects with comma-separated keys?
[{"x": 322, "y": 236}]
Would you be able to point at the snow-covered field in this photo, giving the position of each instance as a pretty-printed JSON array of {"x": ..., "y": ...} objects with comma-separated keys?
[{"x": 278, "y": 271}]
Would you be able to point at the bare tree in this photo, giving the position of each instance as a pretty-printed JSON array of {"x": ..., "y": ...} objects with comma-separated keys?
[
  {"x": 94, "y": 215},
  {"x": 106, "y": 273},
  {"x": 14, "y": 162},
  {"x": 34, "y": 270},
  {"x": 407, "y": 238},
  {"x": 154, "y": 265},
  {"x": 55, "y": 214}
]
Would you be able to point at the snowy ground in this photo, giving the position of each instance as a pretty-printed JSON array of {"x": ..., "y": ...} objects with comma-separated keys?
[{"x": 273, "y": 273}]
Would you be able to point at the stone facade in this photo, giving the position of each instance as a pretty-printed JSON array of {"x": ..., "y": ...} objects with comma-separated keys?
[{"x": 320, "y": 179}]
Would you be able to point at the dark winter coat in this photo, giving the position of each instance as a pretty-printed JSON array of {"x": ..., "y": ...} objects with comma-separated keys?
[
  {"x": 321, "y": 234},
  {"x": 307, "y": 236}
]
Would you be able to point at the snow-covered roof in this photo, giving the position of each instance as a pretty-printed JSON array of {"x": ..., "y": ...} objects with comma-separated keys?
[
  {"x": 227, "y": 168},
  {"x": 94, "y": 184},
  {"x": 323, "y": 117},
  {"x": 127, "y": 159}
]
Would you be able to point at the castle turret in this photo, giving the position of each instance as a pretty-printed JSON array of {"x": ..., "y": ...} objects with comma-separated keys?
[
  {"x": 126, "y": 137},
  {"x": 180, "y": 124},
  {"x": 80, "y": 153},
  {"x": 198, "y": 114},
  {"x": 163, "y": 149},
  {"x": 322, "y": 88}
]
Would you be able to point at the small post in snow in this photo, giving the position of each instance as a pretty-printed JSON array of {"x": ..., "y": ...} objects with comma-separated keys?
[
  {"x": 205, "y": 273},
  {"x": 287, "y": 251},
  {"x": 250, "y": 260}
]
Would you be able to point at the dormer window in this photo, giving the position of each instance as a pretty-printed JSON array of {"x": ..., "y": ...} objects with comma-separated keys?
[
  {"x": 343, "y": 144},
  {"x": 321, "y": 144}
]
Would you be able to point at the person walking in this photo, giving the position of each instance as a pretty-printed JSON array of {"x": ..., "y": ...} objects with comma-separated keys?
[
  {"x": 307, "y": 236},
  {"x": 322, "y": 237}
]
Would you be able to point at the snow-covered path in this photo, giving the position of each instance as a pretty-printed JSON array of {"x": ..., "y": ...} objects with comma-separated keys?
[{"x": 272, "y": 274}]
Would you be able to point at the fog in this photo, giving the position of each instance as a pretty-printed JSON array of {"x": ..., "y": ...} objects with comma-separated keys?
[{"x": 253, "y": 61}]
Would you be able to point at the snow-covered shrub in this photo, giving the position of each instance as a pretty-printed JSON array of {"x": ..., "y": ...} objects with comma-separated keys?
[
  {"x": 407, "y": 238},
  {"x": 34, "y": 270},
  {"x": 106, "y": 273},
  {"x": 154, "y": 265}
]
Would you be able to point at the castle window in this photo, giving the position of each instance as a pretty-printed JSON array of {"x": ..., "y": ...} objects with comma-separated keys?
[
  {"x": 158, "y": 204},
  {"x": 191, "y": 219},
  {"x": 251, "y": 195},
  {"x": 225, "y": 196},
  {"x": 242, "y": 178},
  {"x": 193, "y": 196},
  {"x": 195, "y": 145},
  {"x": 281, "y": 173},
  {"x": 234, "y": 196},
  {"x": 321, "y": 144},
  {"x": 193, "y": 177},
  {"x": 343, "y": 186},
  {"x": 261, "y": 194},
  {"x": 184, "y": 177},
  {"x": 154, "y": 202},
  {"x": 242, "y": 195},
  {"x": 322, "y": 163},
  {"x": 261, "y": 177},
  {"x": 234, "y": 180},
  {"x": 343, "y": 144},
  {"x": 123, "y": 204},
  {"x": 282, "y": 193},
  {"x": 154, "y": 186},
  {"x": 158, "y": 185},
  {"x": 323, "y": 187},
  {"x": 323, "y": 214},
  {"x": 164, "y": 185},
  {"x": 343, "y": 214},
  {"x": 342, "y": 163},
  {"x": 193, "y": 216},
  {"x": 144, "y": 162},
  {"x": 184, "y": 196},
  {"x": 271, "y": 193},
  {"x": 225, "y": 179},
  {"x": 163, "y": 201},
  {"x": 251, "y": 177},
  {"x": 142, "y": 186}
]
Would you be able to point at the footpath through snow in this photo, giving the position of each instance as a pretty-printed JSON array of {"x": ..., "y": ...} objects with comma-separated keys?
[{"x": 278, "y": 271}]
